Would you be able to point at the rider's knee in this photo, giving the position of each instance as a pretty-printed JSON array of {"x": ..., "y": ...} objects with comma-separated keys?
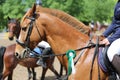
[{"x": 113, "y": 49}]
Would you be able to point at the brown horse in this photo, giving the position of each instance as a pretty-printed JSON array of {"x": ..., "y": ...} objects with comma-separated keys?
[
  {"x": 62, "y": 37},
  {"x": 98, "y": 27},
  {"x": 14, "y": 31},
  {"x": 13, "y": 28},
  {"x": 10, "y": 61}
]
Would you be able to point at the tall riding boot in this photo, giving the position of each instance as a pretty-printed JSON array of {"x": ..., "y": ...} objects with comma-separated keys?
[
  {"x": 41, "y": 60},
  {"x": 116, "y": 63}
]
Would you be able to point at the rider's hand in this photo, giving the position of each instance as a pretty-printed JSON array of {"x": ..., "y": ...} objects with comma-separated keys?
[
  {"x": 101, "y": 37},
  {"x": 105, "y": 41}
]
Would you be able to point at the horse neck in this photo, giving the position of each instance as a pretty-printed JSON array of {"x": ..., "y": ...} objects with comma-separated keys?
[
  {"x": 67, "y": 41},
  {"x": 59, "y": 34},
  {"x": 67, "y": 37},
  {"x": 18, "y": 28}
]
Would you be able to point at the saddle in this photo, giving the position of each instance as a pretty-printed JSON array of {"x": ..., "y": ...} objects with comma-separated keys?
[{"x": 105, "y": 64}]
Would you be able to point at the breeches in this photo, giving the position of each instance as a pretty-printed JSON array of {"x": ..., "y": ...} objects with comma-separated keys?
[{"x": 113, "y": 49}]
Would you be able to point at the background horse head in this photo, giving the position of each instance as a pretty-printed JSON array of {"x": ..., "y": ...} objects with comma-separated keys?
[
  {"x": 98, "y": 27},
  {"x": 13, "y": 28},
  {"x": 37, "y": 26}
]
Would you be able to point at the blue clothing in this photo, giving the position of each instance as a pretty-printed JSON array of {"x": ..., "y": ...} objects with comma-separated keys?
[
  {"x": 38, "y": 50},
  {"x": 114, "y": 29}
]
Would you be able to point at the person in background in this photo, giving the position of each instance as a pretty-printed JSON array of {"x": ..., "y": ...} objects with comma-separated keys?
[
  {"x": 92, "y": 24},
  {"x": 112, "y": 39},
  {"x": 39, "y": 2}
]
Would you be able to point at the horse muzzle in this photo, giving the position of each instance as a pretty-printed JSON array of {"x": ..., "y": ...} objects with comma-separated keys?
[{"x": 24, "y": 54}]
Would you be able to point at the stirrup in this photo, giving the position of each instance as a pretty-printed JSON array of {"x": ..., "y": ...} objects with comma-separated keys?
[
  {"x": 112, "y": 76},
  {"x": 41, "y": 62}
]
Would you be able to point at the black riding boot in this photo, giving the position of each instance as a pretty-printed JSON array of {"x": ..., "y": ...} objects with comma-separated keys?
[
  {"x": 108, "y": 64},
  {"x": 116, "y": 63},
  {"x": 41, "y": 60}
]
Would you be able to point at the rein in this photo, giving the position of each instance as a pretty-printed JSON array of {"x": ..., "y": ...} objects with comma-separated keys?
[
  {"x": 94, "y": 56},
  {"x": 86, "y": 47},
  {"x": 27, "y": 40}
]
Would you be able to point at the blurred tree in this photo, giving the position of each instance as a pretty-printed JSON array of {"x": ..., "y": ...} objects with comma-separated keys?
[
  {"x": 1, "y": 15},
  {"x": 84, "y": 10}
]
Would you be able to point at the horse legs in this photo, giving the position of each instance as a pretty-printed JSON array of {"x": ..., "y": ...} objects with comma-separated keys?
[
  {"x": 43, "y": 73},
  {"x": 54, "y": 71},
  {"x": 34, "y": 74},
  {"x": 7, "y": 73},
  {"x": 10, "y": 76},
  {"x": 30, "y": 72},
  {"x": 61, "y": 69}
]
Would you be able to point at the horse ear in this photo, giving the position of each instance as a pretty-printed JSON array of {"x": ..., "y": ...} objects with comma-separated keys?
[
  {"x": 8, "y": 18},
  {"x": 33, "y": 9}
]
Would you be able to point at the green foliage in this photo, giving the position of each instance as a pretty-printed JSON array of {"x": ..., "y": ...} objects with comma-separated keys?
[{"x": 84, "y": 10}]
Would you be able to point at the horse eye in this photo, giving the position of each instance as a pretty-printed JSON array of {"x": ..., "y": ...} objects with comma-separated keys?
[{"x": 24, "y": 28}]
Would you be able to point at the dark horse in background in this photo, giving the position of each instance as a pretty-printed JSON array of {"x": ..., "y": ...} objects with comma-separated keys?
[
  {"x": 14, "y": 30},
  {"x": 98, "y": 27},
  {"x": 8, "y": 58},
  {"x": 13, "y": 27}
]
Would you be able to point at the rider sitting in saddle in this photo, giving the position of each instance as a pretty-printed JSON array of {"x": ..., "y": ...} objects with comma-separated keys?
[
  {"x": 43, "y": 48},
  {"x": 112, "y": 39}
]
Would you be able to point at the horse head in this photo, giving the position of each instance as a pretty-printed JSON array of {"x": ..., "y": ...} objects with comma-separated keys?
[
  {"x": 30, "y": 33},
  {"x": 13, "y": 28}
]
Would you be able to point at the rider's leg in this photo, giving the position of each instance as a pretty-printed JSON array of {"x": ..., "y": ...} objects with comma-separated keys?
[
  {"x": 116, "y": 63},
  {"x": 36, "y": 51},
  {"x": 113, "y": 54},
  {"x": 41, "y": 60}
]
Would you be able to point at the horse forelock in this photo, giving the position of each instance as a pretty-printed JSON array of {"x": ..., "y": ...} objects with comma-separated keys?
[{"x": 66, "y": 18}]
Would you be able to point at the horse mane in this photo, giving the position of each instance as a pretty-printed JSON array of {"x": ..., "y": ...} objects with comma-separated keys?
[{"x": 66, "y": 18}]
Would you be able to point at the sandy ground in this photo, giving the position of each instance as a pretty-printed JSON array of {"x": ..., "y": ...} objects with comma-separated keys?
[{"x": 20, "y": 72}]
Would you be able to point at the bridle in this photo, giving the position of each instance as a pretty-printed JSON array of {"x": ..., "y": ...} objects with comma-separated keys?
[{"x": 27, "y": 40}]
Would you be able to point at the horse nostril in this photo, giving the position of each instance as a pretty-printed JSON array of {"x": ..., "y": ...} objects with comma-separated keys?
[
  {"x": 17, "y": 55},
  {"x": 10, "y": 38}
]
